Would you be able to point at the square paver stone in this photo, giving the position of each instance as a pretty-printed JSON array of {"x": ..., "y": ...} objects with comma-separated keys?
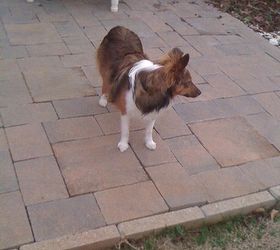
[
  {"x": 177, "y": 187},
  {"x": 66, "y": 216},
  {"x": 40, "y": 180},
  {"x": 73, "y": 128},
  {"x": 14, "y": 226},
  {"x": 96, "y": 164},
  {"x": 233, "y": 141},
  {"x": 130, "y": 202},
  {"x": 57, "y": 83},
  {"x": 28, "y": 141},
  {"x": 32, "y": 33}
]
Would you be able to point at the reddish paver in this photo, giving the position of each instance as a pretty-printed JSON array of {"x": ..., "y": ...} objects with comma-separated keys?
[
  {"x": 130, "y": 202},
  {"x": 72, "y": 129},
  {"x": 14, "y": 226},
  {"x": 40, "y": 180},
  {"x": 227, "y": 183},
  {"x": 28, "y": 113},
  {"x": 192, "y": 155},
  {"x": 8, "y": 180},
  {"x": 233, "y": 141},
  {"x": 169, "y": 125},
  {"x": 28, "y": 141},
  {"x": 71, "y": 61},
  {"x": 66, "y": 216},
  {"x": 80, "y": 162},
  {"x": 177, "y": 187},
  {"x": 48, "y": 49},
  {"x": 110, "y": 123},
  {"x": 3, "y": 141},
  {"x": 83, "y": 106},
  {"x": 148, "y": 157},
  {"x": 92, "y": 75}
]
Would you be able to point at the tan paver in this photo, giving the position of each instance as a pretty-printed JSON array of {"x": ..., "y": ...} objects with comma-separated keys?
[
  {"x": 66, "y": 216},
  {"x": 130, "y": 202},
  {"x": 80, "y": 162},
  {"x": 79, "y": 44},
  {"x": 275, "y": 191},
  {"x": 83, "y": 106},
  {"x": 177, "y": 187},
  {"x": 92, "y": 75},
  {"x": 161, "y": 155},
  {"x": 242, "y": 205},
  {"x": 42, "y": 63},
  {"x": 71, "y": 61},
  {"x": 57, "y": 83},
  {"x": 169, "y": 125},
  {"x": 8, "y": 180},
  {"x": 28, "y": 141},
  {"x": 3, "y": 141},
  {"x": 93, "y": 239},
  {"x": 189, "y": 217},
  {"x": 233, "y": 141},
  {"x": 72, "y": 129},
  {"x": 110, "y": 123},
  {"x": 48, "y": 49},
  {"x": 40, "y": 180},
  {"x": 227, "y": 183},
  {"x": 192, "y": 155},
  {"x": 33, "y": 33},
  {"x": 28, "y": 113},
  {"x": 14, "y": 226}
]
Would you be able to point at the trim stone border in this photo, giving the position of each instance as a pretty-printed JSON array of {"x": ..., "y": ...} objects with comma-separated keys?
[{"x": 189, "y": 217}]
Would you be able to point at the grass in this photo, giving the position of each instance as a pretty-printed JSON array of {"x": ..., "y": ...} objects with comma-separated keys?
[{"x": 242, "y": 232}]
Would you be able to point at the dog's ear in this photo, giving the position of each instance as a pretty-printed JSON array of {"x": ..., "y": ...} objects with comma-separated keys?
[{"x": 185, "y": 60}]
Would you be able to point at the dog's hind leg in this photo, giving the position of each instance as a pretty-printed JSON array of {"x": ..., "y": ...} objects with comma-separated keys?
[
  {"x": 123, "y": 144},
  {"x": 149, "y": 142},
  {"x": 105, "y": 91}
]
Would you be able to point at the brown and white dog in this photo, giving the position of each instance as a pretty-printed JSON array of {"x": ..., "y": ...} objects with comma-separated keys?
[{"x": 138, "y": 86}]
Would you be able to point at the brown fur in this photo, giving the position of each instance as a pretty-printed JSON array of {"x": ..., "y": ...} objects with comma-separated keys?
[{"x": 119, "y": 51}]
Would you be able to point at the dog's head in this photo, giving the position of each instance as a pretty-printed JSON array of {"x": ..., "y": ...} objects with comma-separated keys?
[{"x": 177, "y": 76}]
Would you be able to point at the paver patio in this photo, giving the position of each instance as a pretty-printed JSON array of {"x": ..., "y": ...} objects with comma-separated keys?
[{"x": 60, "y": 170}]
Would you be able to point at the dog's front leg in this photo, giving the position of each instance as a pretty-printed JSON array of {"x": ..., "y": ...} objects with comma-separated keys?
[
  {"x": 150, "y": 144},
  {"x": 123, "y": 144}
]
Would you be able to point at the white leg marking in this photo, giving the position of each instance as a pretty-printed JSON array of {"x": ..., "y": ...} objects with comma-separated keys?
[
  {"x": 103, "y": 101},
  {"x": 123, "y": 144},
  {"x": 150, "y": 144}
]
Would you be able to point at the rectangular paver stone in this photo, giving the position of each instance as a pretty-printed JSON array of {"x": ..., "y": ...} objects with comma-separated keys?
[
  {"x": 189, "y": 218},
  {"x": 92, "y": 239},
  {"x": 48, "y": 49},
  {"x": 28, "y": 141},
  {"x": 72, "y": 129},
  {"x": 242, "y": 205},
  {"x": 275, "y": 191},
  {"x": 40, "y": 180},
  {"x": 14, "y": 226},
  {"x": 66, "y": 216},
  {"x": 130, "y": 202},
  {"x": 177, "y": 187}
]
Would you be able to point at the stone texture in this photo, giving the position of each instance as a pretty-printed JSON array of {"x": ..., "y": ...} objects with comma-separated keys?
[
  {"x": 130, "y": 202},
  {"x": 160, "y": 155},
  {"x": 3, "y": 141},
  {"x": 233, "y": 141},
  {"x": 28, "y": 113},
  {"x": 192, "y": 155},
  {"x": 33, "y": 33},
  {"x": 41, "y": 64},
  {"x": 92, "y": 75},
  {"x": 189, "y": 218},
  {"x": 275, "y": 191},
  {"x": 79, "y": 44},
  {"x": 169, "y": 125},
  {"x": 233, "y": 179},
  {"x": 8, "y": 180},
  {"x": 81, "y": 160},
  {"x": 14, "y": 226},
  {"x": 48, "y": 49},
  {"x": 72, "y": 129},
  {"x": 70, "y": 61},
  {"x": 57, "y": 83},
  {"x": 242, "y": 205},
  {"x": 40, "y": 180},
  {"x": 110, "y": 123},
  {"x": 172, "y": 39},
  {"x": 83, "y": 106},
  {"x": 177, "y": 187},
  {"x": 28, "y": 141},
  {"x": 66, "y": 216},
  {"x": 93, "y": 239}
]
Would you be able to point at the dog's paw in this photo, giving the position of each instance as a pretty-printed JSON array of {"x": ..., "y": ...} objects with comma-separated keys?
[
  {"x": 151, "y": 145},
  {"x": 103, "y": 101},
  {"x": 123, "y": 146}
]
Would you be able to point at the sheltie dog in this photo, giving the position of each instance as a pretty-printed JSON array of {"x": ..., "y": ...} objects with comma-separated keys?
[{"x": 138, "y": 86}]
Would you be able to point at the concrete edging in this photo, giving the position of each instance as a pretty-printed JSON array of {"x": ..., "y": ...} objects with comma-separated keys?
[{"x": 188, "y": 217}]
